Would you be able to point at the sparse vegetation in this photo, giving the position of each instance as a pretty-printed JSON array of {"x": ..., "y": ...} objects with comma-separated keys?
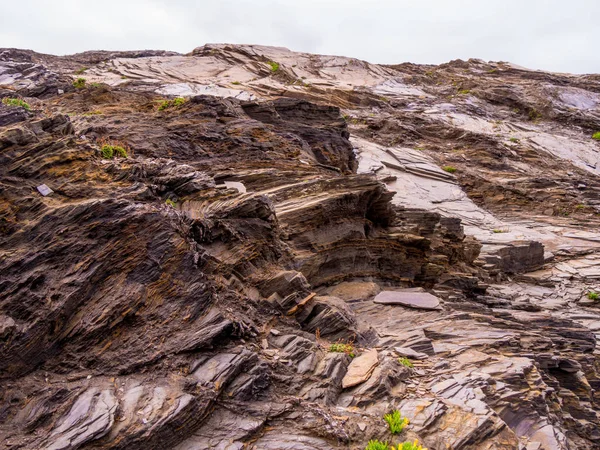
[
  {"x": 498, "y": 230},
  {"x": 170, "y": 203},
  {"x": 80, "y": 71},
  {"x": 514, "y": 139},
  {"x": 236, "y": 82},
  {"x": 580, "y": 206},
  {"x": 110, "y": 151},
  {"x": 405, "y": 362},
  {"x": 593, "y": 295},
  {"x": 396, "y": 422},
  {"x": 274, "y": 66},
  {"x": 414, "y": 445},
  {"x": 449, "y": 169},
  {"x": 596, "y": 135},
  {"x": 79, "y": 83},
  {"x": 16, "y": 102},
  {"x": 175, "y": 103},
  {"x": 377, "y": 445},
  {"x": 464, "y": 92},
  {"x": 340, "y": 347},
  {"x": 534, "y": 114}
]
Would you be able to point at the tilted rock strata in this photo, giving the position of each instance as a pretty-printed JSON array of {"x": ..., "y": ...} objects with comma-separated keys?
[{"x": 187, "y": 296}]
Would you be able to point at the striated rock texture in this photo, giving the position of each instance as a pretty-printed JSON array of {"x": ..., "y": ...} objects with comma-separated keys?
[{"x": 187, "y": 296}]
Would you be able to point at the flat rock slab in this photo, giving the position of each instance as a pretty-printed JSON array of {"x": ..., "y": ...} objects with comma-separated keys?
[
  {"x": 360, "y": 369},
  {"x": 411, "y": 299}
]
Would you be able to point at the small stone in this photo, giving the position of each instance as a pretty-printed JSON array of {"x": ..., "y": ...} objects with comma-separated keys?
[
  {"x": 44, "y": 190},
  {"x": 411, "y": 299},
  {"x": 360, "y": 369}
]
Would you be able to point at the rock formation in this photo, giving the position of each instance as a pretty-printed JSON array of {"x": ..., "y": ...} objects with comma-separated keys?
[{"x": 184, "y": 237}]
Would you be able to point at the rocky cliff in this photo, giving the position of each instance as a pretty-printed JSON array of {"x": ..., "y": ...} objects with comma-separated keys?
[{"x": 247, "y": 247}]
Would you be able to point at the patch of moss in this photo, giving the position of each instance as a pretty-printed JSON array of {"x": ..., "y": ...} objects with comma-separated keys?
[
  {"x": 274, "y": 66},
  {"x": 340, "y": 347},
  {"x": 175, "y": 103},
  {"x": 16, "y": 102},
  {"x": 110, "y": 151},
  {"x": 449, "y": 169},
  {"x": 405, "y": 362},
  {"x": 596, "y": 136}
]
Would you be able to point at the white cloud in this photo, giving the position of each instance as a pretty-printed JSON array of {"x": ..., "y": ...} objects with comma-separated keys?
[{"x": 542, "y": 34}]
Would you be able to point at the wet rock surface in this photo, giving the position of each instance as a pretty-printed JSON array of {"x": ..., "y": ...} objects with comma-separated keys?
[{"x": 293, "y": 252}]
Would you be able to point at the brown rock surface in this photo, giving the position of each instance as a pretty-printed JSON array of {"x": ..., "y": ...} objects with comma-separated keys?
[{"x": 144, "y": 300}]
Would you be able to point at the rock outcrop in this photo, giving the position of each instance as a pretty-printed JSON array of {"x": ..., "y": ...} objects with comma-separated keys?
[{"x": 298, "y": 246}]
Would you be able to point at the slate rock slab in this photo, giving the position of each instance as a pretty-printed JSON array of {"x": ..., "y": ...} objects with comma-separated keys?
[
  {"x": 411, "y": 299},
  {"x": 360, "y": 369}
]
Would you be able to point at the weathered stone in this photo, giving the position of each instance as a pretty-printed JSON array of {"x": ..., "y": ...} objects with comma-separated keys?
[
  {"x": 409, "y": 298},
  {"x": 360, "y": 369}
]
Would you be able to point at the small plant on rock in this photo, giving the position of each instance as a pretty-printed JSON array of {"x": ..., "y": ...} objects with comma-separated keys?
[
  {"x": 111, "y": 150},
  {"x": 414, "y": 445},
  {"x": 534, "y": 115},
  {"x": 405, "y": 362},
  {"x": 396, "y": 422},
  {"x": 79, "y": 83},
  {"x": 274, "y": 66},
  {"x": 80, "y": 71},
  {"x": 16, "y": 102},
  {"x": 236, "y": 83},
  {"x": 449, "y": 169},
  {"x": 593, "y": 295},
  {"x": 340, "y": 347},
  {"x": 514, "y": 139},
  {"x": 596, "y": 136},
  {"x": 464, "y": 92},
  {"x": 377, "y": 445},
  {"x": 175, "y": 103},
  {"x": 170, "y": 203}
]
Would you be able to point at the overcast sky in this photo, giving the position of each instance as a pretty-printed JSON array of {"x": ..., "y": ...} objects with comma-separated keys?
[{"x": 557, "y": 35}]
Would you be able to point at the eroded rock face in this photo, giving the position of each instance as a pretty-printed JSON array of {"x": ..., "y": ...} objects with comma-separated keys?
[{"x": 437, "y": 225}]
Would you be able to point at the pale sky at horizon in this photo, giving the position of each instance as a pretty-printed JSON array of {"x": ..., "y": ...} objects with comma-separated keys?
[{"x": 549, "y": 35}]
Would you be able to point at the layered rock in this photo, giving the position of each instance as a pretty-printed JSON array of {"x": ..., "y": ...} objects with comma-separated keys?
[{"x": 188, "y": 296}]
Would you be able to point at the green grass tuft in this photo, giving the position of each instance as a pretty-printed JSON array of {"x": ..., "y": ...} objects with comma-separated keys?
[
  {"x": 449, "y": 169},
  {"x": 514, "y": 139},
  {"x": 396, "y": 422},
  {"x": 79, "y": 83},
  {"x": 80, "y": 71},
  {"x": 170, "y": 203},
  {"x": 596, "y": 136},
  {"x": 274, "y": 66},
  {"x": 175, "y": 103},
  {"x": 405, "y": 362},
  {"x": 16, "y": 102},
  {"x": 111, "y": 151},
  {"x": 593, "y": 295},
  {"x": 377, "y": 445}
]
